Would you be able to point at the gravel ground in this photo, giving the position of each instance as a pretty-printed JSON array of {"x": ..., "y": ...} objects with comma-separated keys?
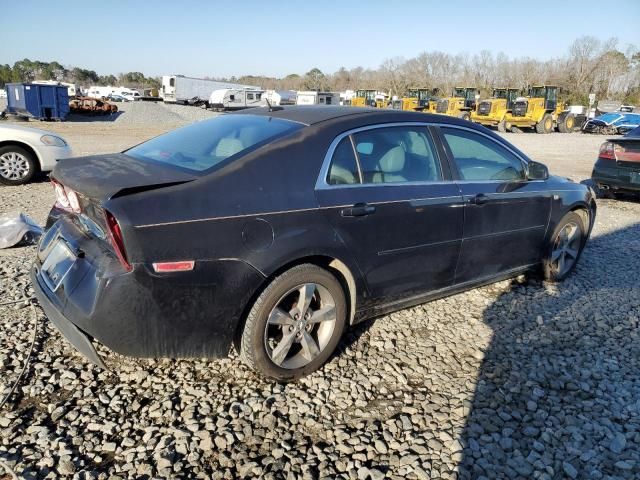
[{"x": 520, "y": 379}]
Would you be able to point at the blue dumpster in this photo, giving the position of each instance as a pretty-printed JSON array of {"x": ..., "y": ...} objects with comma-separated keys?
[{"x": 43, "y": 102}]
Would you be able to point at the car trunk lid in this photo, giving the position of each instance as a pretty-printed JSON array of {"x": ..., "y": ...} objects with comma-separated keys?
[{"x": 103, "y": 177}]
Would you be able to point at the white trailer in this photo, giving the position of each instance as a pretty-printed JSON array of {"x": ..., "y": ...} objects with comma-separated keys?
[
  {"x": 280, "y": 97},
  {"x": 72, "y": 88},
  {"x": 181, "y": 89},
  {"x": 101, "y": 92},
  {"x": 317, "y": 98},
  {"x": 236, "y": 99}
]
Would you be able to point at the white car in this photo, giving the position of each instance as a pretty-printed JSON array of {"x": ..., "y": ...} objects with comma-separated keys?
[
  {"x": 3, "y": 93},
  {"x": 25, "y": 151}
]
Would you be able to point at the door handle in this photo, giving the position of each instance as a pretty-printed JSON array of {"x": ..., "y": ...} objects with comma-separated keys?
[
  {"x": 358, "y": 210},
  {"x": 480, "y": 199}
]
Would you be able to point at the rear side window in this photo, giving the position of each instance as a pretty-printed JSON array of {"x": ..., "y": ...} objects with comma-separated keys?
[
  {"x": 343, "y": 169},
  {"x": 479, "y": 158},
  {"x": 396, "y": 155},
  {"x": 203, "y": 145}
]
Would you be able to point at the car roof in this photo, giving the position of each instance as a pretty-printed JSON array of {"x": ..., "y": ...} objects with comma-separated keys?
[
  {"x": 313, "y": 114},
  {"x": 307, "y": 114}
]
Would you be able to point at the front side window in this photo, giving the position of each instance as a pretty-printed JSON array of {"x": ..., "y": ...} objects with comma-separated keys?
[
  {"x": 397, "y": 154},
  {"x": 172, "y": 82},
  {"x": 204, "y": 145},
  {"x": 479, "y": 158},
  {"x": 249, "y": 96}
]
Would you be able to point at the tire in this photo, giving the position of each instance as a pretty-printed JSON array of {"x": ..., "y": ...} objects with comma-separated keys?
[
  {"x": 555, "y": 267},
  {"x": 266, "y": 329},
  {"x": 17, "y": 165},
  {"x": 566, "y": 123},
  {"x": 502, "y": 127},
  {"x": 465, "y": 116},
  {"x": 545, "y": 125}
]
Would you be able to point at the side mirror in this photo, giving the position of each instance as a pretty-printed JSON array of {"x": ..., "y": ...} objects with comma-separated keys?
[{"x": 537, "y": 171}]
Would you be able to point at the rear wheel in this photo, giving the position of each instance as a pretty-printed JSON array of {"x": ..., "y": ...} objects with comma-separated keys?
[
  {"x": 17, "y": 165},
  {"x": 565, "y": 247},
  {"x": 465, "y": 116},
  {"x": 295, "y": 324},
  {"x": 545, "y": 125}
]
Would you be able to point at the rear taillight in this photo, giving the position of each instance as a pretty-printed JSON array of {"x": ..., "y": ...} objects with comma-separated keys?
[
  {"x": 66, "y": 199},
  {"x": 607, "y": 151},
  {"x": 115, "y": 237}
]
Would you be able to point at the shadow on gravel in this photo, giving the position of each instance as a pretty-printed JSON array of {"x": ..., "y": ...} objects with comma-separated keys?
[
  {"x": 78, "y": 118},
  {"x": 558, "y": 394}
]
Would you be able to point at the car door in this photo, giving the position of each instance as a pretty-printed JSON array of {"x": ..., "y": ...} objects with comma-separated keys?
[
  {"x": 506, "y": 215},
  {"x": 388, "y": 197}
]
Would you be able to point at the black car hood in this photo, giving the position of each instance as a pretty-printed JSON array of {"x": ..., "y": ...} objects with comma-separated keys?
[{"x": 104, "y": 176}]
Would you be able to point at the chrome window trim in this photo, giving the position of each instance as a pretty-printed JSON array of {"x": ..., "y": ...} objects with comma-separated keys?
[{"x": 321, "y": 182}]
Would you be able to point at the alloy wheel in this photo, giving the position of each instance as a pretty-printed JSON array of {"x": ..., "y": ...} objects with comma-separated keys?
[
  {"x": 300, "y": 326},
  {"x": 566, "y": 248},
  {"x": 14, "y": 166}
]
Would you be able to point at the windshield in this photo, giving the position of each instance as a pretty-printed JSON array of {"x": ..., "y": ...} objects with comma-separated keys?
[
  {"x": 500, "y": 94},
  {"x": 203, "y": 145},
  {"x": 538, "y": 92},
  {"x": 459, "y": 92}
]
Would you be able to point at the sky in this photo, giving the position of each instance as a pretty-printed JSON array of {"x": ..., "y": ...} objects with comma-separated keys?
[{"x": 220, "y": 39}]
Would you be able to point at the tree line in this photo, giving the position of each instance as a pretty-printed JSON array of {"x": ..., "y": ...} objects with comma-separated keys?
[
  {"x": 28, "y": 71},
  {"x": 589, "y": 66}
]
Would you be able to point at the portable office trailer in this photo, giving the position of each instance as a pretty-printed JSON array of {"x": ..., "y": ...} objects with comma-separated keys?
[
  {"x": 181, "y": 89},
  {"x": 43, "y": 102},
  {"x": 236, "y": 99},
  {"x": 317, "y": 98}
]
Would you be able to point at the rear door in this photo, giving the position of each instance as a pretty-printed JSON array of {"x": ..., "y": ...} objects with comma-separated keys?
[
  {"x": 388, "y": 197},
  {"x": 506, "y": 215}
]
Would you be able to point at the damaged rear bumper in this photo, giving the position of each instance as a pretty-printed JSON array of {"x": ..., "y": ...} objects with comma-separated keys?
[{"x": 73, "y": 334}]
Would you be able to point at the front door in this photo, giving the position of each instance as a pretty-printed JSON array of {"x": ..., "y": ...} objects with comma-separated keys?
[
  {"x": 387, "y": 198},
  {"x": 506, "y": 215}
]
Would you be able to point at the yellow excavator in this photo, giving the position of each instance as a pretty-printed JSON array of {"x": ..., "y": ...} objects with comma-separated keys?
[
  {"x": 460, "y": 104},
  {"x": 491, "y": 112},
  {"x": 541, "y": 110},
  {"x": 368, "y": 98},
  {"x": 416, "y": 99}
]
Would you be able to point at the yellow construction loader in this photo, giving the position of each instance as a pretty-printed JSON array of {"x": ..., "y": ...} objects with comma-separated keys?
[
  {"x": 491, "y": 112},
  {"x": 368, "y": 98},
  {"x": 541, "y": 110},
  {"x": 460, "y": 104},
  {"x": 416, "y": 99}
]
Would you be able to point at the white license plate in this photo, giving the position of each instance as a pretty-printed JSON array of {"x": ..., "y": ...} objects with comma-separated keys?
[
  {"x": 57, "y": 264},
  {"x": 635, "y": 177}
]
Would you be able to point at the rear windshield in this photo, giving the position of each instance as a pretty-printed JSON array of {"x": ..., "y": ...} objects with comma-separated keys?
[{"x": 203, "y": 145}]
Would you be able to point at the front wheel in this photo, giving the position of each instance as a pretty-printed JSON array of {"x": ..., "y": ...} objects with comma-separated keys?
[
  {"x": 17, "y": 165},
  {"x": 565, "y": 248},
  {"x": 295, "y": 324},
  {"x": 465, "y": 116}
]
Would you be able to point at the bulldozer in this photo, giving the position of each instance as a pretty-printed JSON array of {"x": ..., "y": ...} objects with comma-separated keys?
[
  {"x": 367, "y": 98},
  {"x": 491, "y": 112},
  {"x": 460, "y": 104},
  {"x": 540, "y": 110},
  {"x": 416, "y": 99}
]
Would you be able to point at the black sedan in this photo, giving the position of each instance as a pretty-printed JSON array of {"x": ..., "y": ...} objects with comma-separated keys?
[
  {"x": 617, "y": 169},
  {"x": 275, "y": 229}
]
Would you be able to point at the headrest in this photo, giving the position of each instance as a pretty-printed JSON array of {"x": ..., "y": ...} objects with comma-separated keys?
[
  {"x": 393, "y": 160},
  {"x": 228, "y": 146}
]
